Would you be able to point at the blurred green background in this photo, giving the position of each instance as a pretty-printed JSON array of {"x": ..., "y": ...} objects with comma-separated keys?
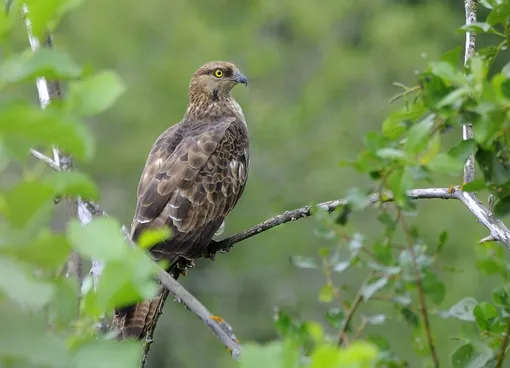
[{"x": 320, "y": 77}]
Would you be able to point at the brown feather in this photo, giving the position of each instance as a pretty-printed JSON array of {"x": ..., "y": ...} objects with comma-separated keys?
[{"x": 194, "y": 175}]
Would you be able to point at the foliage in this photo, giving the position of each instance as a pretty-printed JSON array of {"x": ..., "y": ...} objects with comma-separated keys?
[
  {"x": 39, "y": 305},
  {"x": 44, "y": 323},
  {"x": 412, "y": 147}
]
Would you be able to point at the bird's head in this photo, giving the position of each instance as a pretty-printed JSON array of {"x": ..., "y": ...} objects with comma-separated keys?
[{"x": 216, "y": 80}]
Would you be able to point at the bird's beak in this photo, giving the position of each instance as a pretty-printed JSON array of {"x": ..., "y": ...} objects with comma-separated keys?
[{"x": 240, "y": 78}]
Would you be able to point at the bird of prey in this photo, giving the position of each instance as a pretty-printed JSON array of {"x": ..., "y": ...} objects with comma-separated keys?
[{"x": 195, "y": 174}]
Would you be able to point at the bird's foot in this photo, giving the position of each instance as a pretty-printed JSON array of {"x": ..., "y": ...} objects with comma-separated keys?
[
  {"x": 210, "y": 251},
  {"x": 183, "y": 265}
]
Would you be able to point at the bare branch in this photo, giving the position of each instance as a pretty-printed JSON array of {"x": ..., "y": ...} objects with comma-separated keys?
[
  {"x": 220, "y": 328},
  {"x": 330, "y": 206},
  {"x": 467, "y": 129},
  {"x": 48, "y": 161},
  {"x": 498, "y": 230}
]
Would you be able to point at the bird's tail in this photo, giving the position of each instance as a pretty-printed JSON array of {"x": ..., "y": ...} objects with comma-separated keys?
[{"x": 134, "y": 321}]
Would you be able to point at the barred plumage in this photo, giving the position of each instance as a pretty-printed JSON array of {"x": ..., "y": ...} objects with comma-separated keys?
[{"x": 195, "y": 174}]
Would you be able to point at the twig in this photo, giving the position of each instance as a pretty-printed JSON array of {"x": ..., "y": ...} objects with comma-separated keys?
[
  {"x": 345, "y": 323},
  {"x": 467, "y": 129},
  {"x": 419, "y": 289},
  {"x": 48, "y": 161},
  {"x": 497, "y": 229},
  {"x": 504, "y": 345},
  {"x": 222, "y": 330}
]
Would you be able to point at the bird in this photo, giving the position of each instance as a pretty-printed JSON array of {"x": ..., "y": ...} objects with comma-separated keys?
[{"x": 194, "y": 175}]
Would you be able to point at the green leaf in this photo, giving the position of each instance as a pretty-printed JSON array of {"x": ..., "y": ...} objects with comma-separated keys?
[
  {"x": 418, "y": 134},
  {"x": 391, "y": 153},
  {"x": 272, "y": 355},
  {"x": 499, "y": 14},
  {"x": 462, "y": 310},
  {"x": 399, "y": 182},
  {"x": 101, "y": 239},
  {"x": 148, "y": 238},
  {"x": 303, "y": 262},
  {"x": 20, "y": 286},
  {"x": 488, "y": 127},
  {"x": 48, "y": 251},
  {"x": 123, "y": 282},
  {"x": 433, "y": 287},
  {"x": 479, "y": 27},
  {"x": 475, "y": 185},
  {"x": 107, "y": 354},
  {"x": 456, "y": 97},
  {"x": 63, "y": 309},
  {"x": 377, "y": 319},
  {"x": 335, "y": 317},
  {"x": 45, "y": 14},
  {"x": 448, "y": 73},
  {"x": 73, "y": 184},
  {"x": 28, "y": 202},
  {"x": 326, "y": 293},
  {"x": 6, "y": 22},
  {"x": 35, "y": 127},
  {"x": 502, "y": 207},
  {"x": 359, "y": 354},
  {"x": 357, "y": 199},
  {"x": 341, "y": 266},
  {"x": 485, "y": 315},
  {"x": 95, "y": 94},
  {"x": 395, "y": 125},
  {"x": 443, "y": 237},
  {"x": 24, "y": 337},
  {"x": 446, "y": 163},
  {"x": 45, "y": 62},
  {"x": 492, "y": 169},
  {"x": 387, "y": 270},
  {"x": 471, "y": 356},
  {"x": 453, "y": 57},
  {"x": 501, "y": 296},
  {"x": 462, "y": 150},
  {"x": 4, "y": 159},
  {"x": 410, "y": 317},
  {"x": 370, "y": 289}
]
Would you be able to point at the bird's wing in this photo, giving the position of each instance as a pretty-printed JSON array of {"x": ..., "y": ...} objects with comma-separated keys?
[{"x": 197, "y": 181}]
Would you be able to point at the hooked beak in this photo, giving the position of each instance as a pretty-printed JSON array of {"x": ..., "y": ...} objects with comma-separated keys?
[{"x": 240, "y": 78}]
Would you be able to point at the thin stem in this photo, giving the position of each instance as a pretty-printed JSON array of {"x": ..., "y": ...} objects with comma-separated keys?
[
  {"x": 350, "y": 314},
  {"x": 504, "y": 346},
  {"x": 421, "y": 296}
]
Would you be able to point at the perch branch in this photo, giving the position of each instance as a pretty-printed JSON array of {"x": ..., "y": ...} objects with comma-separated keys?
[
  {"x": 498, "y": 230},
  {"x": 469, "y": 51}
]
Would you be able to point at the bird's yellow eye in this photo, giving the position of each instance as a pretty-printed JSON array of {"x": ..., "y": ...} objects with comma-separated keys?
[{"x": 218, "y": 73}]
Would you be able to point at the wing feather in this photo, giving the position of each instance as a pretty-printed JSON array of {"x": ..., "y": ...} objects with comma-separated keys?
[{"x": 193, "y": 177}]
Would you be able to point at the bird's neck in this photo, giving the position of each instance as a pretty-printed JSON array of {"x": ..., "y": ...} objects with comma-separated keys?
[{"x": 213, "y": 106}]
